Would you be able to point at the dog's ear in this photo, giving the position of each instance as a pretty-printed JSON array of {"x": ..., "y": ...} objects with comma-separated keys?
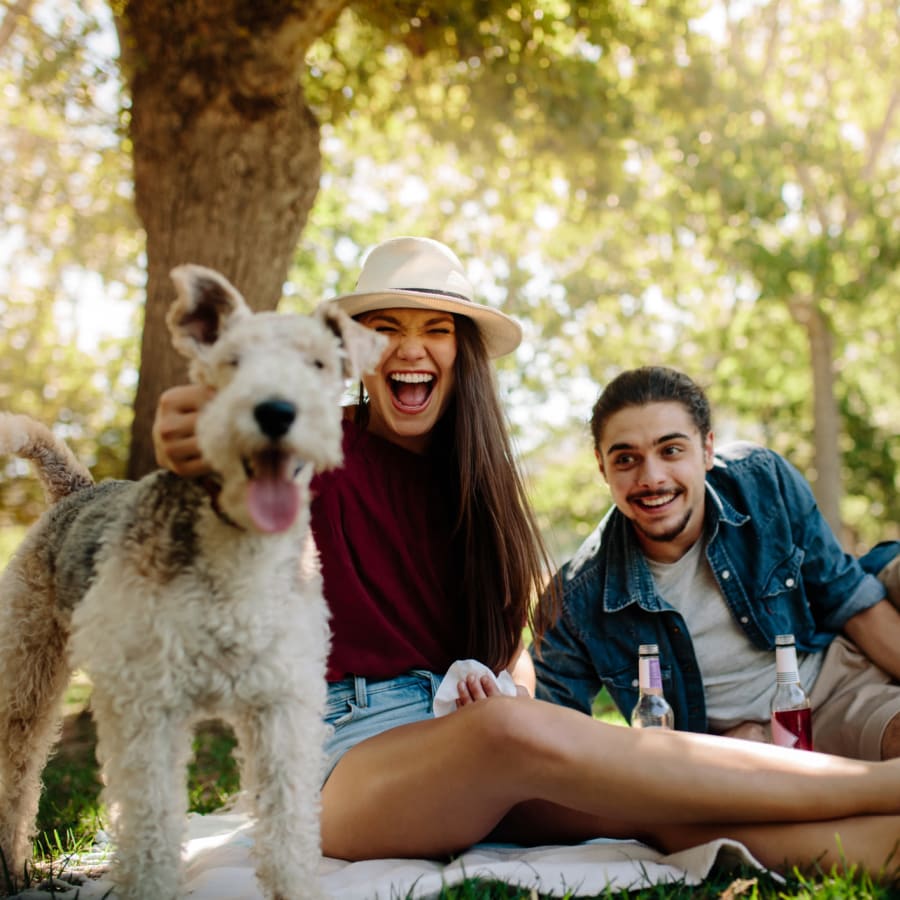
[
  {"x": 205, "y": 303},
  {"x": 362, "y": 346}
]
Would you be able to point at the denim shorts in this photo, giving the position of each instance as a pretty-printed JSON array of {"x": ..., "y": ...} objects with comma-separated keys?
[{"x": 359, "y": 708}]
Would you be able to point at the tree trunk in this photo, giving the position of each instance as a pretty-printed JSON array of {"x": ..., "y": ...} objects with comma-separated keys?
[
  {"x": 827, "y": 486},
  {"x": 226, "y": 156}
]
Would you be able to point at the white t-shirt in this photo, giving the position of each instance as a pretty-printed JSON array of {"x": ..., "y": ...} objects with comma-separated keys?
[{"x": 738, "y": 679}]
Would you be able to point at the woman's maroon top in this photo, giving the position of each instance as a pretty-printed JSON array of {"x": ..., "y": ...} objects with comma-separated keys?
[{"x": 382, "y": 525}]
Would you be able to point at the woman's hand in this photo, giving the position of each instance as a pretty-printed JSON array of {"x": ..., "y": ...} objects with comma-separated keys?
[
  {"x": 521, "y": 670},
  {"x": 175, "y": 429},
  {"x": 474, "y": 688}
]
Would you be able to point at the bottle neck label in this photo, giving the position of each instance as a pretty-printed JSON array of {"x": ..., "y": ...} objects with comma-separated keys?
[
  {"x": 786, "y": 664},
  {"x": 649, "y": 675}
]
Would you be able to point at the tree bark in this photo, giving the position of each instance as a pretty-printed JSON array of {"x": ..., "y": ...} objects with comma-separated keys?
[
  {"x": 226, "y": 156},
  {"x": 828, "y": 484}
]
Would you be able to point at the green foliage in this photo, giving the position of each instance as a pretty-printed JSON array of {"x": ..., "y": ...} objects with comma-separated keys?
[
  {"x": 568, "y": 493},
  {"x": 10, "y": 538},
  {"x": 634, "y": 184},
  {"x": 788, "y": 167},
  {"x": 70, "y": 803},
  {"x": 605, "y": 709},
  {"x": 70, "y": 238},
  {"x": 688, "y": 252},
  {"x": 66, "y": 182},
  {"x": 85, "y": 397},
  {"x": 479, "y": 73}
]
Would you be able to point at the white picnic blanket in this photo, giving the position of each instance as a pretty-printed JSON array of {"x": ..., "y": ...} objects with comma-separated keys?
[{"x": 218, "y": 867}]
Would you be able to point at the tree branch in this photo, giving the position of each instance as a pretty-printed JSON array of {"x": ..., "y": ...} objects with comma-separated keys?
[{"x": 14, "y": 14}]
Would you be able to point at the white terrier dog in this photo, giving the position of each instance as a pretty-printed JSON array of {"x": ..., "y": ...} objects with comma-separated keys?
[{"x": 187, "y": 598}]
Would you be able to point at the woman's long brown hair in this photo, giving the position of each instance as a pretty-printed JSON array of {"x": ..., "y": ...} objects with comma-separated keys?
[{"x": 504, "y": 562}]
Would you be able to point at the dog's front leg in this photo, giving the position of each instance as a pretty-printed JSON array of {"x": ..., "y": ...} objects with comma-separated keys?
[
  {"x": 144, "y": 752},
  {"x": 281, "y": 751}
]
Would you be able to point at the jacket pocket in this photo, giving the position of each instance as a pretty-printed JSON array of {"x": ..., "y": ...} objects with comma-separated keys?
[{"x": 784, "y": 598}]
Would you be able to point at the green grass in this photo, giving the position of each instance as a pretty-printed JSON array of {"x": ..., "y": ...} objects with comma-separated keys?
[
  {"x": 70, "y": 804},
  {"x": 213, "y": 773},
  {"x": 748, "y": 885}
]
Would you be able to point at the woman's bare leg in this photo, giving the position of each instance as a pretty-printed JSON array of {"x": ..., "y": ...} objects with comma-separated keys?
[
  {"x": 872, "y": 842},
  {"x": 435, "y": 787}
]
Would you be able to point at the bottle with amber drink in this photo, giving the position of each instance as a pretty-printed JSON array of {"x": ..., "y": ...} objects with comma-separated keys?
[{"x": 791, "y": 713}]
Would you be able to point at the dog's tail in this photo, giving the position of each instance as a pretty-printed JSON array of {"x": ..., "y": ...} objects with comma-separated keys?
[{"x": 59, "y": 471}]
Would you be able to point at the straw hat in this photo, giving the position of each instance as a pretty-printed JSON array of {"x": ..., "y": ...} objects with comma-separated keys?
[{"x": 420, "y": 273}]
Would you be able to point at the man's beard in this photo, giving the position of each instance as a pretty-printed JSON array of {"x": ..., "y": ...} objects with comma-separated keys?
[{"x": 666, "y": 537}]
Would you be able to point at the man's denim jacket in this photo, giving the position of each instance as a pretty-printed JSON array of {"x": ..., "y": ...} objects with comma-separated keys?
[{"x": 776, "y": 561}]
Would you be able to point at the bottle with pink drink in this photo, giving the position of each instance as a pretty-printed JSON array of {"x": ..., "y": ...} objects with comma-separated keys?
[{"x": 791, "y": 714}]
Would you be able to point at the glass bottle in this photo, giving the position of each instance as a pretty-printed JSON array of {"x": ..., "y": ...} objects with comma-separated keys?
[
  {"x": 791, "y": 714},
  {"x": 652, "y": 709}
]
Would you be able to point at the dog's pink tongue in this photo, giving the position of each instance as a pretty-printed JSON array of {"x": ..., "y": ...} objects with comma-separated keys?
[{"x": 273, "y": 503}]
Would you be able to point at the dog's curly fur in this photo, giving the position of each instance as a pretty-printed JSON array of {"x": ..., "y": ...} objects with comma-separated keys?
[{"x": 187, "y": 598}]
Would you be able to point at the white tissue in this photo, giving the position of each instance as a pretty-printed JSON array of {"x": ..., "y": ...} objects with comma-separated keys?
[{"x": 447, "y": 692}]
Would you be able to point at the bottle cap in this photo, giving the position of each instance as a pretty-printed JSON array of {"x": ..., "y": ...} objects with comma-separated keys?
[
  {"x": 648, "y": 649},
  {"x": 784, "y": 640}
]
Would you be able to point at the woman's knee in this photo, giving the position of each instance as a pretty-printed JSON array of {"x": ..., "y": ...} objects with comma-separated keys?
[{"x": 511, "y": 727}]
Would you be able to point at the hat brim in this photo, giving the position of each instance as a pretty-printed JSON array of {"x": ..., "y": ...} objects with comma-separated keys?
[{"x": 501, "y": 334}]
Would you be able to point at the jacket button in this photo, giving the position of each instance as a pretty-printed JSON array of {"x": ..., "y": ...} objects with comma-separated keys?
[
  {"x": 789, "y": 582},
  {"x": 726, "y": 574}
]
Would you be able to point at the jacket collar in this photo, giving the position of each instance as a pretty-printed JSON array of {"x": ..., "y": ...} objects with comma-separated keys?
[{"x": 631, "y": 581}]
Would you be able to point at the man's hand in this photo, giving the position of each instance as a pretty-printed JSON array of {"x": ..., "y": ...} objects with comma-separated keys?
[
  {"x": 175, "y": 429},
  {"x": 750, "y": 731}
]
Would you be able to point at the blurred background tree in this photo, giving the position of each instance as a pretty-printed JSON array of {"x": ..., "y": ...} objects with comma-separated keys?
[{"x": 708, "y": 185}]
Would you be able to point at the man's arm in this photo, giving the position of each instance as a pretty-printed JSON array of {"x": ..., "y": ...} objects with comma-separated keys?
[
  {"x": 563, "y": 670},
  {"x": 876, "y": 631},
  {"x": 837, "y": 587}
]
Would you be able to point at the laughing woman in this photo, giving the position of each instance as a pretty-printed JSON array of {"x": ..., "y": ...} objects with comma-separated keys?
[{"x": 431, "y": 554}]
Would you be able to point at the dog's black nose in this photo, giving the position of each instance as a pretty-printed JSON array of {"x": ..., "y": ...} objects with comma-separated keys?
[{"x": 275, "y": 417}]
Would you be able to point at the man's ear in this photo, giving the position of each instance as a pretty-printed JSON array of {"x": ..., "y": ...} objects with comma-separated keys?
[
  {"x": 361, "y": 347},
  {"x": 709, "y": 450},
  {"x": 206, "y": 303}
]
